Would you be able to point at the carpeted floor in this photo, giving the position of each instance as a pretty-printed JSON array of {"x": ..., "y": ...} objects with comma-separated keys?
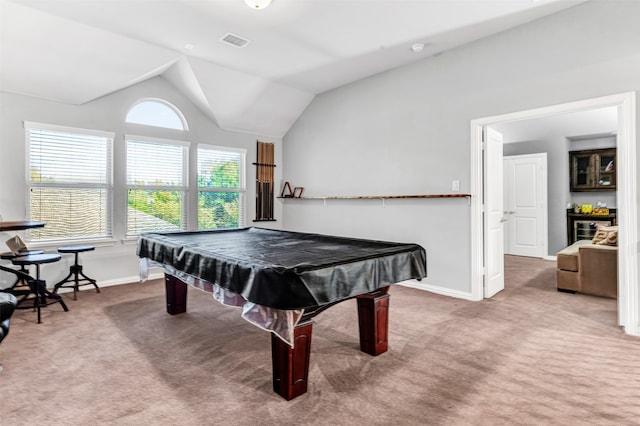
[{"x": 530, "y": 355}]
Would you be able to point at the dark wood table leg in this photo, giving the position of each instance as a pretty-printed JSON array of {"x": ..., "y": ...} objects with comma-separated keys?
[
  {"x": 291, "y": 365},
  {"x": 176, "y": 295},
  {"x": 373, "y": 319}
]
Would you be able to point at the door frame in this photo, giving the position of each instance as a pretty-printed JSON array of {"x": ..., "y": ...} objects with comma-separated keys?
[
  {"x": 628, "y": 301},
  {"x": 543, "y": 179}
]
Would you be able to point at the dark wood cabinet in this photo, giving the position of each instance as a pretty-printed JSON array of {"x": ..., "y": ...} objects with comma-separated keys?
[{"x": 593, "y": 170}]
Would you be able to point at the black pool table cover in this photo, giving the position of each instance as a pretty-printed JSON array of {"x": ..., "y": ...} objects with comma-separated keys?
[{"x": 282, "y": 269}]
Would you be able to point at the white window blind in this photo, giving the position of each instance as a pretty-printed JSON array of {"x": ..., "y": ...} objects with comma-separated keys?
[
  {"x": 156, "y": 185},
  {"x": 221, "y": 187},
  {"x": 69, "y": 182}
]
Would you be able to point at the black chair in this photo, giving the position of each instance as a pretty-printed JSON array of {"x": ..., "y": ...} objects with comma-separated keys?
[
  {"x": 37, "y": 295},
  {"x": 11, "y": 255},
  {"x": 75, "y": 271},
  {"x": 8, "y": 304},
  {"x": 21, "y": 277}
]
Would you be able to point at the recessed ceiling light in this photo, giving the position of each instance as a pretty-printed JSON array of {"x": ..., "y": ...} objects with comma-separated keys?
[
  {"x": 257, "y": 4},
  {"x": 189, "y": 46},
  {"x": 417, "y": 47}
]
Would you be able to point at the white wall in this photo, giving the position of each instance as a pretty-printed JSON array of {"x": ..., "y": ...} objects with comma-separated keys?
[
  {"x": 408, "y": 130},
  {"x": 113, "y": 262}
]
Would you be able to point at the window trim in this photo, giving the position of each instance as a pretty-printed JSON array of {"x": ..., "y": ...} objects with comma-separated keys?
[
  {"x": 60, "y": 128},
  {"x": 241, "y": 190},
  {"x": 175, "y": 109},
  {"x": 184, "y": 187},
  {"x": 108, "y": 186}
]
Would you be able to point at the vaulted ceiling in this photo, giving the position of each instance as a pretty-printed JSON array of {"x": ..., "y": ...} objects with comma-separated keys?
[{"x": 77, "y": 51}]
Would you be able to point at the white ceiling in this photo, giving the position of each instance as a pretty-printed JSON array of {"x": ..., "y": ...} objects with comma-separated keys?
[
  {"x": 77, "y": 51},
  {"x": 596, "y": 122}
]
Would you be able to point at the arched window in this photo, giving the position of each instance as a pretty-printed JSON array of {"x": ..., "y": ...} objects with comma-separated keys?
[{"x": 157, "y": 113}]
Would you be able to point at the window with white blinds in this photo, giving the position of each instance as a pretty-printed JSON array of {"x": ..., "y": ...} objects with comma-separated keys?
[
  {"x": 221, "y": 187},
  {"x": 69, "y": 182},
  {"x": 156, "y": 185}
]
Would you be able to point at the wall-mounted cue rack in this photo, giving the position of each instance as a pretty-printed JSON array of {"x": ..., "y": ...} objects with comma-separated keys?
[{"x": 264, "y": 182}]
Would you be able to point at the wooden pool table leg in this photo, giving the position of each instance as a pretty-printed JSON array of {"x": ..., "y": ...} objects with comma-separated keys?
[
  {"x": 176, "y": 291},
  {"x": 291, "y": 365},
  {"x": 373, "y": 319}
]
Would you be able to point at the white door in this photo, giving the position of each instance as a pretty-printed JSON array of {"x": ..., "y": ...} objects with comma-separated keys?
[
  {"x": 525, "y": 205},
  {"x": 494, "y": 223}
]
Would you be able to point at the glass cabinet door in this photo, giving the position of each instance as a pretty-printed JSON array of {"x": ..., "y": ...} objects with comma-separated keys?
[
  {"x": 606, "y": 170},
  {"x": 592, "y": 170},
  {"x": 581, "y": 172}
]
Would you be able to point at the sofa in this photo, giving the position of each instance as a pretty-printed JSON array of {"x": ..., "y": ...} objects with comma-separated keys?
[{"x": 589, "y": 266}]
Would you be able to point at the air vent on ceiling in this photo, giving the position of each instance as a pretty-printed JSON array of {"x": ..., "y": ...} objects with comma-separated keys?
[{"x": 234, "y": 40}]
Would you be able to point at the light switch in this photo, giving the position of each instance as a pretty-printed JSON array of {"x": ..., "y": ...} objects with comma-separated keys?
[{"x": 455, "y": 185}]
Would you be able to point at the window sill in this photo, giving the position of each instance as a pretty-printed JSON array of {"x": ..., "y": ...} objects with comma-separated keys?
[
  {"x": 129, "y": 240},
  {"x": 101, "y": 242}
]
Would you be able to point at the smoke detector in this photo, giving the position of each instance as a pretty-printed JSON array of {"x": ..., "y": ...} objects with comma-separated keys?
[{"x": 417, "y": 47}]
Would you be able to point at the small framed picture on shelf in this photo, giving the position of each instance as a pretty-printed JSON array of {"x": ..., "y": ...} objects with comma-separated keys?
[
  {"x": 286, "y": 191},
  {"x": 587, "y": 208}
]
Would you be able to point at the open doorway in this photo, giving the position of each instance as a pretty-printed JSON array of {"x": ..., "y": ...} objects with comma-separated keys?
[
  {"x": 536, "y": 151},
  {"x": 484, "y": 256}
]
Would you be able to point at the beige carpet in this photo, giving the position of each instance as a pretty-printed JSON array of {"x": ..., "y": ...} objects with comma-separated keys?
[{"x": 530, "y": 355}]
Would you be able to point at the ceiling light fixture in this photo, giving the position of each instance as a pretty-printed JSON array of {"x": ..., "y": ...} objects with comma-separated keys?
[
  {"x": 257, "y": 4},
  {"x": 189, "y": 46}
]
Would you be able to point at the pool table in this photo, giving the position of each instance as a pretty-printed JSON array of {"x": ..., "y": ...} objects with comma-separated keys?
[{"x": 294, "y": 274}]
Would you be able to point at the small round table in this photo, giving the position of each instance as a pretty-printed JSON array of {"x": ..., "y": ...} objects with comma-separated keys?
[{"x": 19, "y": 225}]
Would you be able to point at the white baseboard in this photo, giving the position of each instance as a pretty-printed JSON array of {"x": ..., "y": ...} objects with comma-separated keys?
[
  {"x": 118, "y": 281},
  {"x": 438, "y": 290},
  {"x": 129, "y": 280},
  {"x": 554, "y": 258},
  {"x": 410, "y": 283}
]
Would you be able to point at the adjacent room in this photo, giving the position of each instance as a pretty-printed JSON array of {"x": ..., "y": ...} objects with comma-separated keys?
[
  {"x": 319, "y": 212},
  {"x": 552, "y": 206}
]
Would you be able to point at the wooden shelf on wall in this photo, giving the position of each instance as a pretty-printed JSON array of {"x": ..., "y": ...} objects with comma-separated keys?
[
  {"x": 383, "y": 198},
  {"x": 377, "y": 197}
]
